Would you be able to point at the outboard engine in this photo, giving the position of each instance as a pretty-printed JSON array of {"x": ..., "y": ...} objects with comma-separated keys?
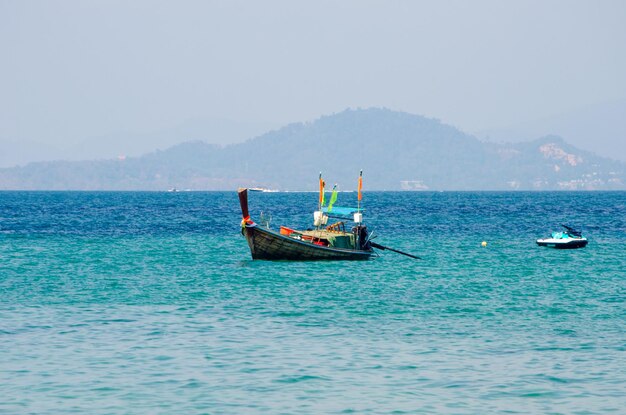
[{"x": 361, "y": 235}]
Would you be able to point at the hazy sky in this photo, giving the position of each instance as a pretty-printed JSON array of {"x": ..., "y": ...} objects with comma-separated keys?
[{"x": 75, "y": 70}]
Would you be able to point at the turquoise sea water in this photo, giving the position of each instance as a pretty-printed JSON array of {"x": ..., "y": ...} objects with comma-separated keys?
[{"x": 132, "y": 303}]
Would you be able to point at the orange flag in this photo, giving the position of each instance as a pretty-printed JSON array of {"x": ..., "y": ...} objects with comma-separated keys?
[
  {"x": 360, "y": 196},
  {"x": 322, "y": 185}
]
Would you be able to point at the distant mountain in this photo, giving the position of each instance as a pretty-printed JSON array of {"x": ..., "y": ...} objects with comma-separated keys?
[{"x": 396, "y": 150}]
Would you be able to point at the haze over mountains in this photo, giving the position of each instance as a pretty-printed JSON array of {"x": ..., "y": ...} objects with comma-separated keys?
[
  {"x": 128, "y": 143},
  {"x": 600, "y": 127},
  {"x": 396, "y": 150}
]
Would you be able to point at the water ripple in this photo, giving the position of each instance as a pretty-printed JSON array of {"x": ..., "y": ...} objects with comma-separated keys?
[{"x": 149, "y": 303}]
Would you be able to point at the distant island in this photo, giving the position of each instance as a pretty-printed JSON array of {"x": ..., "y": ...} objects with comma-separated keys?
[{"x": 396, "y": 150}]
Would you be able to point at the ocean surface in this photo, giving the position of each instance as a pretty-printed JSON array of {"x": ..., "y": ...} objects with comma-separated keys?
[{"x": 149, "y": 303}]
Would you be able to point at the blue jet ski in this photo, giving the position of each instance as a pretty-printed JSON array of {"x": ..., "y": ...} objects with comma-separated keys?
[{"x": 568, "y": 239}]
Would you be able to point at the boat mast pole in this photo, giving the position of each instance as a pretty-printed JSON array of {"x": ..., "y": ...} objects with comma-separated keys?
[
  {"x": 360, "y": 186},
  {"x": 358, "y": 215},
  {"x": 319, "y": 215},
  {"x": 319, "y": 204}
]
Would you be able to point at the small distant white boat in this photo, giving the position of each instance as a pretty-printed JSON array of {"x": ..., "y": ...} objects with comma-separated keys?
[
  {"x": 262, "y": 189},
  {"x": 568, "y": 239}
]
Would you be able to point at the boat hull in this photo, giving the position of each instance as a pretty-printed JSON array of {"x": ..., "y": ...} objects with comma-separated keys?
[
  {"x": 561, "y": 244},
  {"x": 269, "y": 245}
]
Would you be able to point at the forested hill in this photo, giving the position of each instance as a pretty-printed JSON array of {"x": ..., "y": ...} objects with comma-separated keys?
[{"x": 396, "y": 151}]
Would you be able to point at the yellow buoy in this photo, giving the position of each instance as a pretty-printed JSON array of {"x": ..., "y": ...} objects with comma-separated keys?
[{"x": 483, "y": 243}]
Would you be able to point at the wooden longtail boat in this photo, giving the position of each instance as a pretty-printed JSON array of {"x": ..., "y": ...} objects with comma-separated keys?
[{"x": 324, "y": 243}]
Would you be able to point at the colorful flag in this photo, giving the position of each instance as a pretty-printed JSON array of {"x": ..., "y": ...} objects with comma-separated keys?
[
  {"x": 333, "y": 198},
  {"x": 322, "y": 185},
  {"x": 360, "y": 185}
]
